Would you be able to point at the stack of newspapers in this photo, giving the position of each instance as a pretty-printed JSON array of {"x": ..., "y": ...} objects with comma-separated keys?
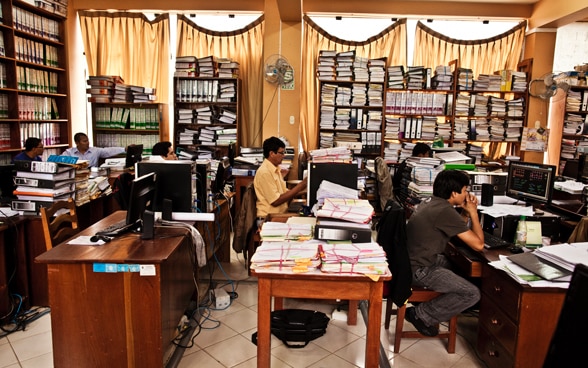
[{"x": 353, "y": 258}]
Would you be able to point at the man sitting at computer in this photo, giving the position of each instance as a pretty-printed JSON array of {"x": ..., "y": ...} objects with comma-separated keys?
[
  {"x": 270, "y": 187},
  {"x": 164, "y": 150},
  {"x": 428, "y": 231}
]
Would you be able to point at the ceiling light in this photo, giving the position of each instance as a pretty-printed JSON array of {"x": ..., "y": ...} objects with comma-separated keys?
[{"x": 338, "y": 17}]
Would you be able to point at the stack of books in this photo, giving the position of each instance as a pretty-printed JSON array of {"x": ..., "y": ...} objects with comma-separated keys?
[
  {"x": 326, "y": 65},
  {"x": 465, "y": 79},
  {"x": 377, "y": 70},
  {"x": 416, "y": 77},
  {"x": 207, "y": 66},
  {"x": 186, "y": 66},
  {"x": 286, "y": 256},
  {"x": 40, "y": 184},
  {"x": 443, "y": 78},
  {"x": 228, "y": 68},
  {"x": 396, "y": 77},
  {"x": 344, "y": 66},
  {"x": 101, "y": 88}
]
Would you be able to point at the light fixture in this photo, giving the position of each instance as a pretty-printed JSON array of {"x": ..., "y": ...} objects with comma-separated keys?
[
  {"x": 192, "y": 15},
  {"x": 429, "y": 20},
  {"x": 394, "y": 19},
  {"x": 338, "y": 17},
  {"x": 231, "y": 16},
  {"x": 485, "y": 21}
]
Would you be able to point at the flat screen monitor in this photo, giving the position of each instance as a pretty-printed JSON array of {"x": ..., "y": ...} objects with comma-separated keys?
[
  {"x": 174, "y": 182},
  {"x": 570, "y": 170},
  {"x": 141, "y": 198},
  {"x": 530, "y": 182},
  {"x": 339, "y": 173},
  {"x": 134, "y": 154}
]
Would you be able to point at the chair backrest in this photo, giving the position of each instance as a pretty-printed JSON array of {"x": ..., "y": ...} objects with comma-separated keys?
[
  {"x": 302, "y": 164},
  {"x": 383, "y": 182},
  {"x": 121, "y": 189},
  {"x": 246, "y": 218},
  {"x": 60, "y": 222}
]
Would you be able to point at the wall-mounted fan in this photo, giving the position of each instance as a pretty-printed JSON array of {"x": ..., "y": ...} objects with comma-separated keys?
[
  {"x": 549, "y": 86},
  {"x": 277, "y": 70}
]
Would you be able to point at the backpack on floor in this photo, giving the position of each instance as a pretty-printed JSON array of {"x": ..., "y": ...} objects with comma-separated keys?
[{"x": 297, "y": 325}]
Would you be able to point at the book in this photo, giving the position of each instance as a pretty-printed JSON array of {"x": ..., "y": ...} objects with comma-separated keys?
[
  {"x": 67, "y": 174},
  {"x": 41, "y": 183},
  {"x": 22, "y": 190}
]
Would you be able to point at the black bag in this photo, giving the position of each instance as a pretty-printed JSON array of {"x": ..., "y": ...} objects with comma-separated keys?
[{"x": 297, "y": 325}]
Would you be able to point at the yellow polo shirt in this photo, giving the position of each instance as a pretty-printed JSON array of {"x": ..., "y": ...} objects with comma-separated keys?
[{"x": 269, "y": 185}]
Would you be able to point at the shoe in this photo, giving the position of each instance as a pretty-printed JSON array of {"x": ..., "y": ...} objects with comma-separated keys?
[{"x": 419, "y": 324}]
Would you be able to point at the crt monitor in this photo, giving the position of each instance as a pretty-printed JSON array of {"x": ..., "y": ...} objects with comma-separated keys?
[
  {"x": 141, "y": 198},
  {"x": 134, "y": 152},
  {"x": 174, "y": 182},
  {"x": 530, "y": 182},
  {"x": 339, "y": 173}
]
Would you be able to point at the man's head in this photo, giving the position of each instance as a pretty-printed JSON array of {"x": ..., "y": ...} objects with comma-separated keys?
[
  {"x": 449, "y": 182},
  {"x": 274, "y": 150},
  {"x": 34, "y": 146},
  {"x": 421, "y": 150},
  {"x": 82, "y": 142},
  {"x": 165, "y": 150}
]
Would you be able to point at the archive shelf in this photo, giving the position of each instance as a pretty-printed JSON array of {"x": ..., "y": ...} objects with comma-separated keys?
[
  {"x": 575, "y": 127},
  {"x": 34, "y": 99},
  {"x": 207, "y": 114},
  {"x": 117, "y": 124}
]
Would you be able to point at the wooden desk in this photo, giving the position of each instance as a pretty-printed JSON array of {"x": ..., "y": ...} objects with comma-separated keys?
[
  {"x": 331, "y": 287},
  {"x": 122, "y": 319},
  {"x": 516, "y": 321}
]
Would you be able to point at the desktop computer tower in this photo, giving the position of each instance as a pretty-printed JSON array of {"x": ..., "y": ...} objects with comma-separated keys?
[
  {"x": 506, "y": 226},
  {"x": 202, "y": 184}
]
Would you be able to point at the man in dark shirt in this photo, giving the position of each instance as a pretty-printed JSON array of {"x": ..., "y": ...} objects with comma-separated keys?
[{"x": 33, "y": 150}]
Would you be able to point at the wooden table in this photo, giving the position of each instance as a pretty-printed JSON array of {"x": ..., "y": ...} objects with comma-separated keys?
[
  {"x": 318, "y": 285},
  {"x": 122, "y": 318}
]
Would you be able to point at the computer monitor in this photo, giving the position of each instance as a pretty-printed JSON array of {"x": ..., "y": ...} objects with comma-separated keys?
[
  {"x": 339, "y": 173},
  {"x": 141, "y": 198},
  {"x": 174, "y": 182},
  {"x": 583, "y": 168},
  {"x": 7, "y": 187},
  {"x": 530, "y": 182},
  {"x": 571, "y": 169},
  {"x": 134, "y": 153}
]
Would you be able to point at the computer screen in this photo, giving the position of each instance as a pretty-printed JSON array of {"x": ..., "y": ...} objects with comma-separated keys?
[
  {"x": 174, "y": 182},
  {"x": 571, "y": 170},
  {"x": 339, "y": 173},
  {"x": 141, "y": 198},
  {"x": 530, "y": 182},
  {"x": 134, "y": 153},
  {"x": 583, "y": 168}
]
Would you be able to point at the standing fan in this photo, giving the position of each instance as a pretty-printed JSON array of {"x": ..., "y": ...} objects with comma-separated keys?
[
  {"x": 277, "y": 70},
  {"x": 549, "y": 86}
]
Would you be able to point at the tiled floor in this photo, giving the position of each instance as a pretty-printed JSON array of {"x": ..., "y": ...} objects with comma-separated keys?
[{"x": 225, "y": 338}]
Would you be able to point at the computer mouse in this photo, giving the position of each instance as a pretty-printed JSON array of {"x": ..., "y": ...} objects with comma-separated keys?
[
  {"x": 516, "y": 250},
  {"x": 97, "y": 238}
]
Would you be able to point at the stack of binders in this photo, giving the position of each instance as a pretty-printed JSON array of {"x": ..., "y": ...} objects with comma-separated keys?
[{"x": 40, "y": 184}]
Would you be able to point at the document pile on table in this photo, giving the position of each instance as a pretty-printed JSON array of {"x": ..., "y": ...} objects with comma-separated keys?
[
  {"x": 280, "y": 231},
  {"x": 353, "y": 210},
  {"x": 362, "y": 258},
  {"x": 565, "y": 255},
  {"x": 285, "y": 256}
]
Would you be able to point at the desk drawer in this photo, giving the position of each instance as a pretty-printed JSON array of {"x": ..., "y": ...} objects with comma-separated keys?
[
  {"x": 503, "y": 290},
  {"x": 491, "y": 351},
  {"x": 498, "y": 324}
]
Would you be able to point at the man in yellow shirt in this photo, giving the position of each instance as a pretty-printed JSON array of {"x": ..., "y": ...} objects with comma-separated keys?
[{"x": 270, "y": 187}]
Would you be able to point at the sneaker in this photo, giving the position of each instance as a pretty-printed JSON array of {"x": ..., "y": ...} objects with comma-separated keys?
[{"x": 419, "y": 324}]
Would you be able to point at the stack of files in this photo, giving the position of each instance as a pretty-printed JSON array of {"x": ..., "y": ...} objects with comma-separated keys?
[
  {"x": 343, "y": 96},
  {"x": 566, "y": 255},
  {"x": 462, "y": 105},
  {"x": 481, "y": 128},
  {"x": 185, "y": 116},
  {"x": 187, "y": 136},
  {"x": 360, "y": 69},
  {"x": 479, "y": 103},
  {"x": 519, "y": 81},
  {"x": 335, "y": 154},
  {"x": 429, "y": 128},
  {"x": 443, "y": 129},
  {"x": 358, "y": 258},
  {"x": 141, "y": 94},
  {"x": 344, "y": 67},
  {"x": 122, "y": 93},
  {"x": 512, "y": 130},
  {"x": 443, "y": 78},
  {"x": 326, "y": 65},
  {"x": 377, "y": 70},
  {"x": 574, "y": 100},
  {"x": 82, "y": 176},
  {"x": 327, "y": 117},
  {"x": 281, "y": 231},
  {"x": 515, "y": 108},
  {"x": 415, "y": 77},
  {"x": 482, "y": 83},
  {"x": 358, "y": 94},
  {"x": 287, "y": 257},
  {"x": 227, "y": 92},
  {"x": 186, "y": 66},
  {"x": 228, "y": 68},
  {"x": 331, "y": 190},
  {"x": 396, "y": 77},
  {"x": 496, "y": 106},
  {"x": 392, "y": 127},
  {"x": 392, "y": 151},
  {"x": 422, "y": 190},
  {"x": 226, "y": 116},
  {"x": 101, "y": 88},
  {"x": 353, "y": 210},
  {"x": 207, "y": 66},
  {"x": 204, "y": 115},
  {"x": 342, "y": 118},
  {"x": 461, "y": 127},
  {"x": 326, "y": 140},
  {"x": 465, "y": 79},
  {"x": 374, "y": 121},
  {"x": 475, "y": 151},
  {"x": 375, "y": 93},
  {"x": 573, "y": 124},
  {"x": 496, "y": 128}
]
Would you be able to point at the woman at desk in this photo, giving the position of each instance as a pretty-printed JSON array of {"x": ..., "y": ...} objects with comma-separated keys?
[{"x": 428, "y": 231}]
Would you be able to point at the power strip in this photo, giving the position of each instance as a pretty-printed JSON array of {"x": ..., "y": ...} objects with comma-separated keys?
[{"x": 221, "y": 298}]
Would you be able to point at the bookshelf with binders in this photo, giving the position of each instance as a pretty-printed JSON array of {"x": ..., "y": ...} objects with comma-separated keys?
[
  {"x": 351, "y": 102},
  {"x": 207, "y": 115},
  {"x": 34, "y": 99},
  {"x": 575, "y": 126}
]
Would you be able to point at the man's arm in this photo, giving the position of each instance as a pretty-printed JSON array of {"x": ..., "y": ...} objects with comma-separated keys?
[
  {"x": 287, "y": 196},
  {"x": 110, "y": 151},
  {"x": 475, "y": 236}
]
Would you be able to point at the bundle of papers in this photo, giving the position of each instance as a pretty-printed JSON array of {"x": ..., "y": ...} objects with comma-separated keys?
[
  {"x": 362, "y": 258},
  {"x": 352, "y": 210},
  {"x": 280, "y": 231},
  {"x": 565, "y": 255},
  {"x": 285, "y": 256},
  {"x": 329, "y": 189}
]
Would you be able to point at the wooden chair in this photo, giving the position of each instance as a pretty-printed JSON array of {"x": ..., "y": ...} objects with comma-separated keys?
[
  {"x": 419, "y": 295},
  {"x": 58, "y": 224}
]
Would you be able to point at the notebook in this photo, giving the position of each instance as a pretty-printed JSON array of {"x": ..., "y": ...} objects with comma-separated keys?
[{"x": 541, "y": 267}]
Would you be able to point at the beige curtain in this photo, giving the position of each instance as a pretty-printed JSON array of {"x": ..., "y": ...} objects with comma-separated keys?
[
  {"x": 130, "y": 46},
  {"x": 482, "y": 56},
  {"x": 244, "y": 46},
  {"x": 390, "y": 43}
]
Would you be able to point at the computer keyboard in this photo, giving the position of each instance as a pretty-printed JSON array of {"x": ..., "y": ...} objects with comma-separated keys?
[
  {"x": 118, "y": 228},
  {"x": 492, "y": 241}
]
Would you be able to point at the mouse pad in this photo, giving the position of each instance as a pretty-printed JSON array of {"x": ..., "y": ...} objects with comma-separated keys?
[{"x": 541, "y": 267}]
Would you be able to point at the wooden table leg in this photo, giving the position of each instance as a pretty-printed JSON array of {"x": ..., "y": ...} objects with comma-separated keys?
[
  {"x": 372, "y": 349},
  {"x": 263, "y": 322},
  {"x": 278, "y": 303},
  {"x": 352, "y": 313}
]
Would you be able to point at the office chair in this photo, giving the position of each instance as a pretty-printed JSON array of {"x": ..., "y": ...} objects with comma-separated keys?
[
  {"x": 246, "y": 224},
  {"x": 60, "y": 222},
  {"x": 400, "y": 291}
]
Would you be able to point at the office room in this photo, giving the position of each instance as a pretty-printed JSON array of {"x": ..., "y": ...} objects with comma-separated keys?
[{"x": 291, "y": 111}]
